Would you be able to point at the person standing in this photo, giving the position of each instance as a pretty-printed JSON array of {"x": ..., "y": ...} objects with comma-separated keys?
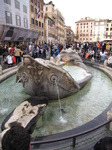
[
  {"x": 17, "y": 53},
  {"x": 9, "y": 60},
  {"x": 1, "y": 55}
]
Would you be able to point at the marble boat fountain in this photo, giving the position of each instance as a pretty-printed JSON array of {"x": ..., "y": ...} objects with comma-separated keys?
[{"x": 40, "y": 77}]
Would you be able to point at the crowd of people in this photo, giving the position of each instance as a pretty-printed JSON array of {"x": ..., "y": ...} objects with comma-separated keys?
[
  {"x": 17, "y": 137},
  {"x": 99, "y": 51},
  {"x": 12, "y": 55}
]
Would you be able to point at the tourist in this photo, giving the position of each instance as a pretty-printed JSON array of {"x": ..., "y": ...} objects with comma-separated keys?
[
  {"x": 103, "y": 56},
  {"x": 12, "y": 50},
  {"x": 17, "y": 55},
  {"x": 9, "y": 60},
  {"x": 16, "y": 138},
  {"x": 1, "y": 55}
]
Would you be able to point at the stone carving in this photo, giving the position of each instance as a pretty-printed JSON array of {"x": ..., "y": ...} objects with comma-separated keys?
[
  {"x": 39, "y": 77},
  {"x": 27, "y": 113}
]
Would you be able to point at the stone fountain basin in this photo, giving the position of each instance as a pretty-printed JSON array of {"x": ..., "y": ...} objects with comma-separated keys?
[
  {"x": 27, "y": 113},
  {"x": 41, "y": 77}
]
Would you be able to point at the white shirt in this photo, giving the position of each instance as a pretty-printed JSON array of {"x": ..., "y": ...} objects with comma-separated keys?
[{"x": 9, "y": 59}]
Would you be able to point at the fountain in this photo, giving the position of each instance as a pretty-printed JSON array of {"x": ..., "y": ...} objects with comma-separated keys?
[
  {"x": 73, "y": 103},
  {"x": 38, "y": 76}
]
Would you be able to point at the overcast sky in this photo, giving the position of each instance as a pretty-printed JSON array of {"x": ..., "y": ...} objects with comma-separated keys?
[{"x": 73, "y": 10}]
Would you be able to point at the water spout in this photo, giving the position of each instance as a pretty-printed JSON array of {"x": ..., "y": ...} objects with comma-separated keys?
[
  {"x": 58, "y": 96},
  {"x": 19, "y": 79},
  {"x": 61, "y": 109}
]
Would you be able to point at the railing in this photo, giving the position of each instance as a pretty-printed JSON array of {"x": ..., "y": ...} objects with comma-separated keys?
[{"x": 73, "y": 136}]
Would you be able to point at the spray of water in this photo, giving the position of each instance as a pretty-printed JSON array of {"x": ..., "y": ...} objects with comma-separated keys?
[{"x": 61, "y": 118}]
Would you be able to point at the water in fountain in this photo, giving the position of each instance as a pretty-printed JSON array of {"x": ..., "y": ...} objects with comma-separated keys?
[
  {"x": 11, "y": 95},
  {"x": 61, "y": 109},
  {"x": 93, "y": 98}
]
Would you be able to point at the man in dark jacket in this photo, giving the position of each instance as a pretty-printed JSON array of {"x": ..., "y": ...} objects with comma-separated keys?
[{"x": 1, "y": 55}]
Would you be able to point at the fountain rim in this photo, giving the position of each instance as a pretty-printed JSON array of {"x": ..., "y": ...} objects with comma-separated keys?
[
  {"x": 83, "y": 129},
  {"x": 92, "y": 124}
]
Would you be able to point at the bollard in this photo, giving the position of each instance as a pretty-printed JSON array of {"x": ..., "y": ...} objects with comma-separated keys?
[
  {"x": 105, "y": 63},
  {"x": 109, "y": 117},
  {"x": 0, "y": 69}
]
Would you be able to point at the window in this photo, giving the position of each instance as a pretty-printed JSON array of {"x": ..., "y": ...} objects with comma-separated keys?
[
  {"x": 18, "y": 20},
  {"x": 36, "y": 23},
  {"x": 46, "y": 8},
  {"x": 25, "y": 23},
  {"x": 42, "y": 7},
  {"x": 17, "y": 4},
  {"x": 36, "y": 11},
  {"x": 24, "y": 9},
  {"x": 7, "y": 2},
  {"x": 36, "y": 2},
  {"x": 42, "y": 25},
  {"x": 32, "y": 20},
  {"x": 42, "y": 34},
  {"x": 41, "y": 15},
  {"x": 32, "y": 9},
  {"x": 39, "y": 24},
  {"x": 32, "y": 1},
  {"x": 8, "y": 17}
]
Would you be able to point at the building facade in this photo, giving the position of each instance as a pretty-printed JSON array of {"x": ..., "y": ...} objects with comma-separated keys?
[
  {"x": 37, "y": 19},
  {"x": 60, "y": 26},
  {"x": 84, "y": 29},
  {"x": 14, "y": 22},
  {"x": 49, "y": 20},
  {"x": 108, "y": 29},
  {"x": 70, "y": 36},
  {"x": 99, "y": 31}
]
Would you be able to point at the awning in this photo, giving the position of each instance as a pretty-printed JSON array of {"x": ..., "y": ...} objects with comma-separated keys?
[{"x": 17, "y": 34}]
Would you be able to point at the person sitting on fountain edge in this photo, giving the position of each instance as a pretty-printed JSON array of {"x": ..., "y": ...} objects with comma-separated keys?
[{"x": 15, "y": 138}]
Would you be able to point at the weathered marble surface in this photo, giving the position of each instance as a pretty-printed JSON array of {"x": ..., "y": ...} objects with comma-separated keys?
[
  {"x": 39, "y": 77},
  {"x": 27, "y": 113}
]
